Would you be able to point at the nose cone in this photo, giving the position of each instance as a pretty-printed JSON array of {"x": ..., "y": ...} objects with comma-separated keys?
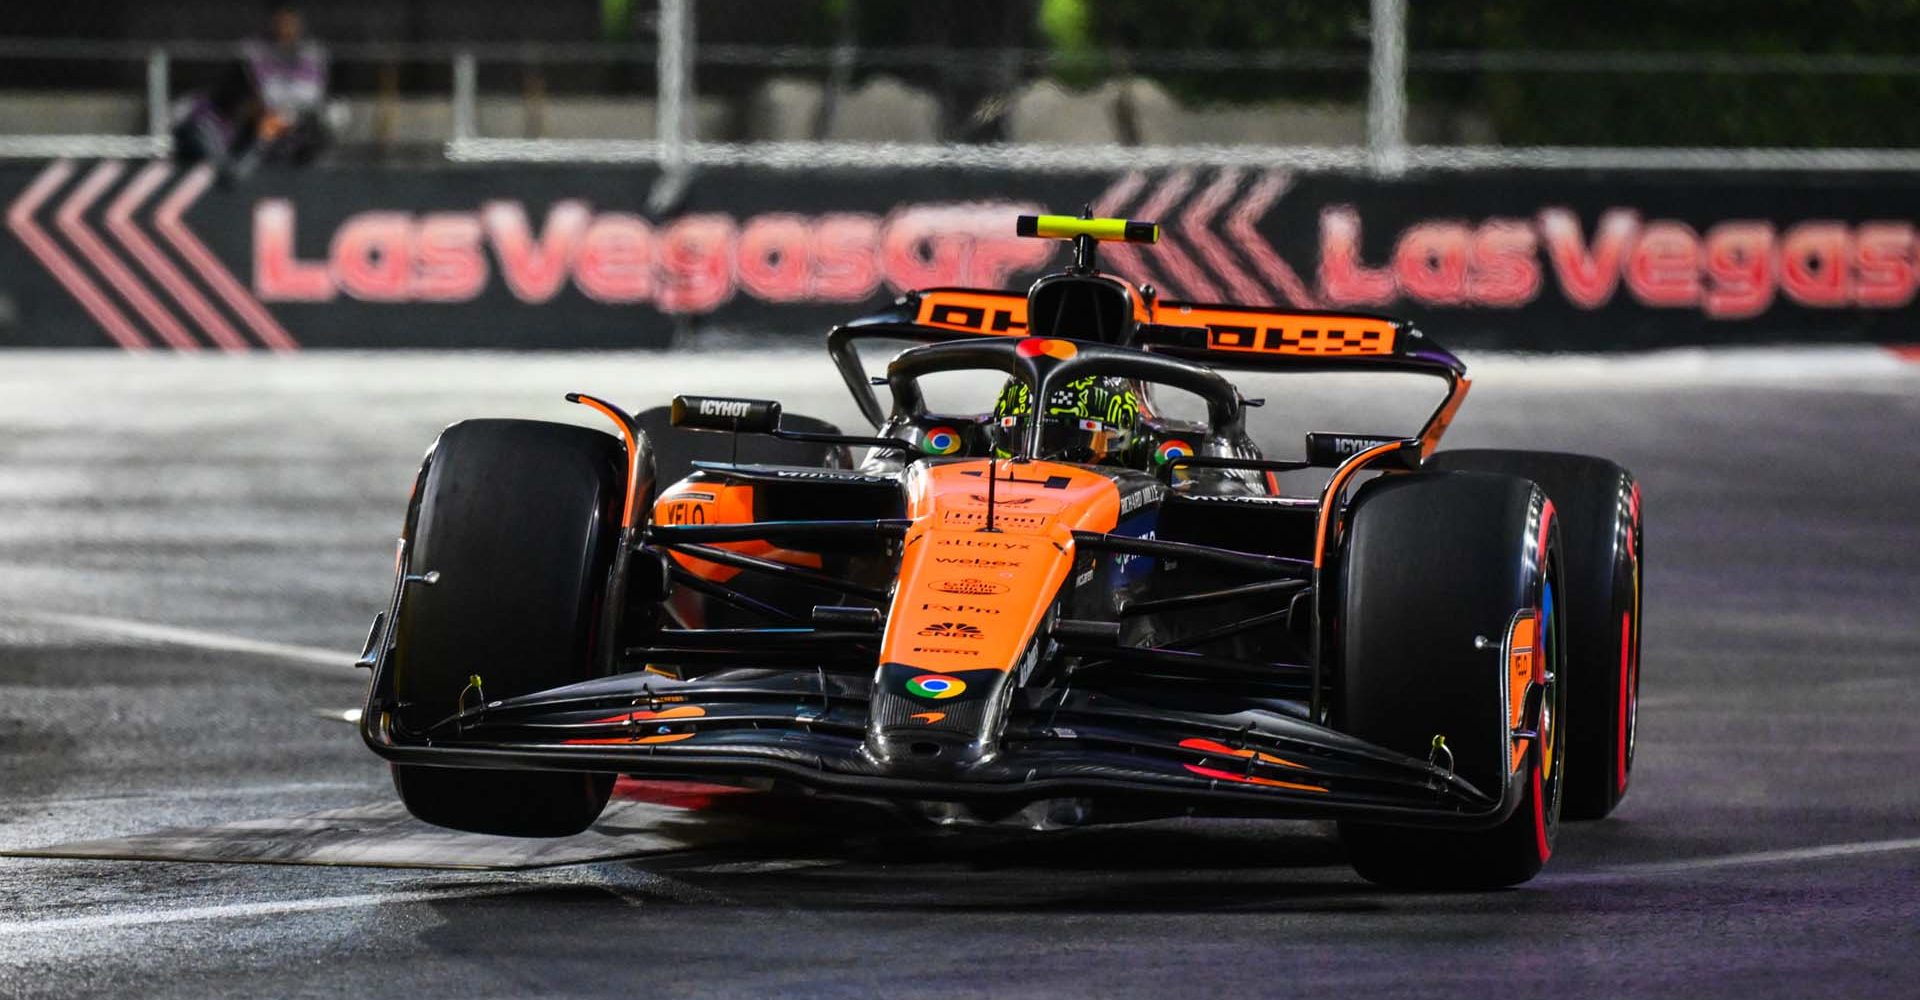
[{"x": 934, "y": 723}]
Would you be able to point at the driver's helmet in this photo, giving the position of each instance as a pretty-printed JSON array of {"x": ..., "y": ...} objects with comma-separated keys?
[{"x": 1087, "y": 421}]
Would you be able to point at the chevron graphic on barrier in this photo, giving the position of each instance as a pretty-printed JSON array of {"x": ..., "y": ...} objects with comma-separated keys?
[
  {"x": 166, "y": 219},
  {"x": 1271, "y": 280},
  {"x": 64, "y": 270},
  {"x": 1124, "y": 258},
  {"x": 1196, "y": 224},
  {"x": 70, "y": 218},
  {"x": 1181, "y": 270},
  {"x": 1240, "y": 225},
  {"x": 119, "y": 218},
  {"x": 142, "y": 254}
]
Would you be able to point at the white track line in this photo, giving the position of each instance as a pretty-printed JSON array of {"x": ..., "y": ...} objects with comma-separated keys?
[
  {"x": 229, "y": 911},
  {"x": 766, "y": 867},
  {"x": 336, "y": 663},
  {"x": 1821, "y": 852},
  {"x": 242, "y": 791}
]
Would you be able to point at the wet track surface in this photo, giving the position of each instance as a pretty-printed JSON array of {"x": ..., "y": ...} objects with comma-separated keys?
[{"x": 1770, "y": 847}]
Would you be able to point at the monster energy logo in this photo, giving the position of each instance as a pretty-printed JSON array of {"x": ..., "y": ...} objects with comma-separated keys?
[{"x": 1095, "y": 397}]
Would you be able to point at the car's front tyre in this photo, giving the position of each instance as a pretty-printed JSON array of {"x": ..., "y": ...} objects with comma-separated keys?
[
  {"x": 1446, "y": 576},
  {"x": 1599, "y": 507},
  {"x": 518, "y": 520}
]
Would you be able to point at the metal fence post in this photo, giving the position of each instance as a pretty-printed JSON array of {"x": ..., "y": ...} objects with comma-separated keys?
[
  {"x": 674, "y": 64},
  {"x": 1387, "y": 89},
  {"x": 465, "y": 99},
  {"x": 158, "y": 113}
]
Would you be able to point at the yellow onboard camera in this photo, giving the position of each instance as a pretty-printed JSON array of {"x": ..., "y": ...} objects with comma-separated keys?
[{"x": 1067, "y": 227}]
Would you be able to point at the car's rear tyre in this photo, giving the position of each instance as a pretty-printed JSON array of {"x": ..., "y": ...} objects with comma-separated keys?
[
  {"x": 1437, "y": 571},
  {"x": 1599, "y": 507},
  {"x": 520, "y": 520}
]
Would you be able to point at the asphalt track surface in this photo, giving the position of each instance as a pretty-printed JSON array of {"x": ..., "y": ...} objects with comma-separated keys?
[{"x": 243, "y": 509}]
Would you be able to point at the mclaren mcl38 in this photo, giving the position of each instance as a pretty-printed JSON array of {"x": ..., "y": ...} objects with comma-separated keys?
[{"x": 1061, "y": 605}]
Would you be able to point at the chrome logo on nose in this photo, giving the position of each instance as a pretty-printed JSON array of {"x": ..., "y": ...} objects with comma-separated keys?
[{"x": 935, "y": 686}]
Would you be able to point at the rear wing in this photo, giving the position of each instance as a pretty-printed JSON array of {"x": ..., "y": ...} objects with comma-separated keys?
[
  {"x": 1267, "y": 339},
  {"x": 1212, "y": 333},
  {"x": 1246, "y": 338}
]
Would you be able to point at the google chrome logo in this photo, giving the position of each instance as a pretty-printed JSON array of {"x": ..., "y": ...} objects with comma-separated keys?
[
  {"x": 1171, "y": 450},
  {"x": 936, "y": 686},
  {"x": 941, "y": 441}
]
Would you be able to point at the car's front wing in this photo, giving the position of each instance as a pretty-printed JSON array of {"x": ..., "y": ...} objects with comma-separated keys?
[{"x": 808, "y": 728}]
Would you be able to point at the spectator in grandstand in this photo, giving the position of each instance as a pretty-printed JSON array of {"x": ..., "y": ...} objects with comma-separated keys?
[{"x": 269, "y": 106}]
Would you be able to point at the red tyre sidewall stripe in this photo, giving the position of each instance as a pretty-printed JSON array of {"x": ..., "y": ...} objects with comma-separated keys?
[
  {"x": 1629, "y": 663},
  {"x": 1540, "y": 842},
  {"x": 1546, "y": 522},
  {"x": 1626, "y": 707}
]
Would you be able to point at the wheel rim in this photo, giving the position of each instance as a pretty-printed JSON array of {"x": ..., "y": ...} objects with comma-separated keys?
[{"x": 1549, "y": 727}]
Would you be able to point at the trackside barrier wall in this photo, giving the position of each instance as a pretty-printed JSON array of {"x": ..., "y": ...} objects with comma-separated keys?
[{"x": 138, "y": 254}]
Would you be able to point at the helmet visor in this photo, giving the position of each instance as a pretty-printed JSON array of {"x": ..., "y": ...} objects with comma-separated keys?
[{"x": 1063, "y": 437}]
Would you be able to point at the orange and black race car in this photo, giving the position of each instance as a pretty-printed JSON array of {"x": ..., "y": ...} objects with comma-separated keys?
[{"x": 1074, "y": 607}]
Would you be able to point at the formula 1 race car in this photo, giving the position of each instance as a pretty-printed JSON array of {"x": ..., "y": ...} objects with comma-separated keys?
[{"x": 1073, "y": 608}]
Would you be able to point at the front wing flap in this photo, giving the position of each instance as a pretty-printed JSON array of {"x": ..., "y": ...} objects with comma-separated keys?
[{"x": 808, "y": 728}]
